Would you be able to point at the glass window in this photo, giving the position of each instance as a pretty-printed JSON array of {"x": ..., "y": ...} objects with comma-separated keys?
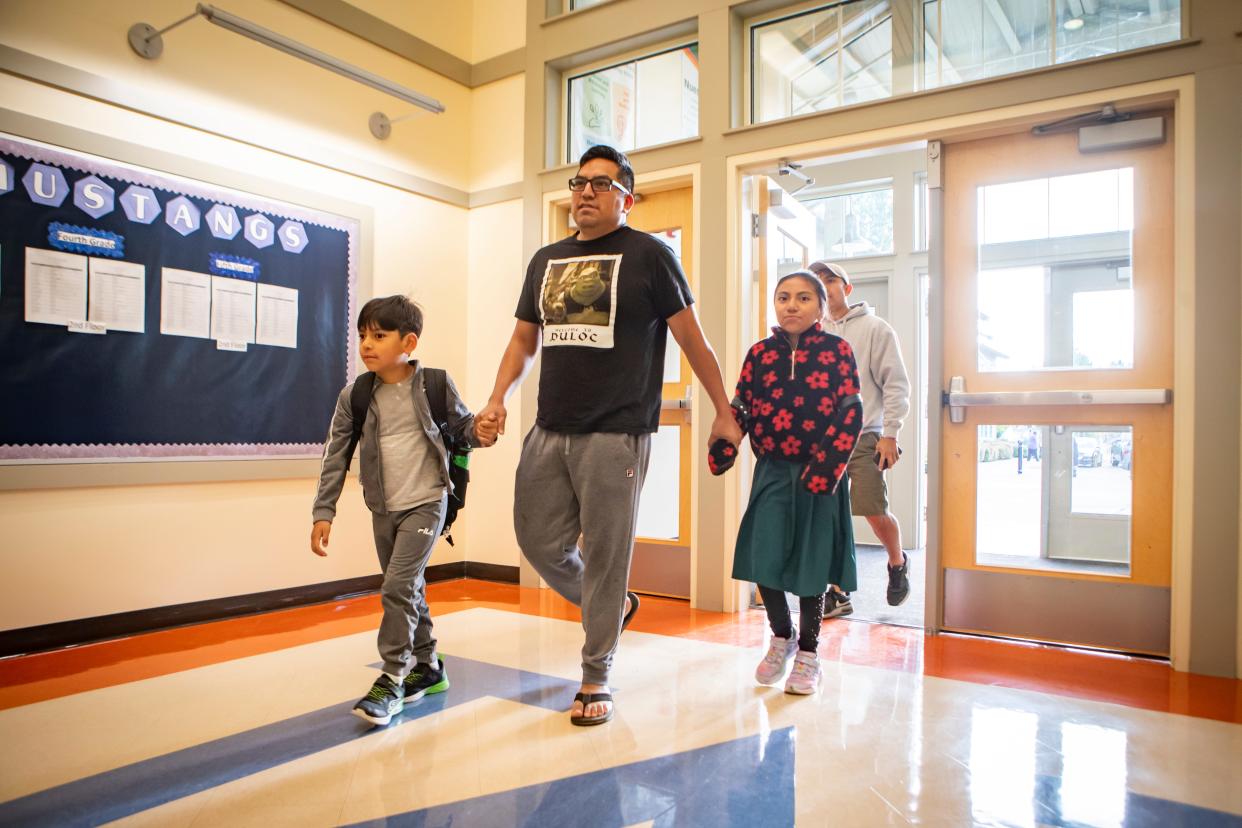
[
  {"x": 843, "y": 53},
  {"x": 641, "y": 103},
  {"x": 922, "y": 212},
  {"x": 853, "y": 224},
  {"x": 822, "y": 59},
  {"x": 1054, "y": 496},
  {"x": 1055, "y": 281}
]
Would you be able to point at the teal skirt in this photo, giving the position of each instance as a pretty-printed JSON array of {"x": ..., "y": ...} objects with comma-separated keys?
[{"x": 791, "y": 539}]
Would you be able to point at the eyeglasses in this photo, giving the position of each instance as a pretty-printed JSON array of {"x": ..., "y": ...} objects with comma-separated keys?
[{"x": 599, "y": 184}]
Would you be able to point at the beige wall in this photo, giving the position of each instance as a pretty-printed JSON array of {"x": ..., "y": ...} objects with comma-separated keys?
[{"x": 81, "y": 552}]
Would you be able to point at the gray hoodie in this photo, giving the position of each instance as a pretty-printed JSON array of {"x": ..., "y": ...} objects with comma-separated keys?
[
  {"x": 881, "y": 371},
  {"x": 332, "y": 469}
]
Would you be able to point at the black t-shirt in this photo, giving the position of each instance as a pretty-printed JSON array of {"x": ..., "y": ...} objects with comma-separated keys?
[{"x": 603, "y": 305}]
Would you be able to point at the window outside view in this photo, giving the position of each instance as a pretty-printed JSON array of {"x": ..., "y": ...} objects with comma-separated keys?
[
  {"x": 1055, "y": 285},
  {"x": 640, "y": 103},
  {"x": 854, "y": 224},
  {"x": 1053, "y": 491},
  {"x": 843, "y": 54}
]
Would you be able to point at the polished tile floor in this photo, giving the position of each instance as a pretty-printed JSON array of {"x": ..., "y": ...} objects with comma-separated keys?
[{"x": 245, "y": 722}]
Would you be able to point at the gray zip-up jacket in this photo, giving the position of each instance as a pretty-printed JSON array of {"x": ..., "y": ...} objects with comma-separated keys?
[
  {"x": 332, "y": 468},
  {"x": 881, "y": 371}
]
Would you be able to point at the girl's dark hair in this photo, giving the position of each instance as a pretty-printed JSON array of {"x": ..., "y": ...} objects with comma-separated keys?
[
  {"x": 820, "y": 291},
  {"x": 391, "y": 313},
  {"x": 625, "y": 173}
]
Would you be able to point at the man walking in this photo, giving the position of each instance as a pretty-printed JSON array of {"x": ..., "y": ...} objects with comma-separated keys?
[
  {"x": 600, "y": 303},
  {"x": 886, "y": 402}
]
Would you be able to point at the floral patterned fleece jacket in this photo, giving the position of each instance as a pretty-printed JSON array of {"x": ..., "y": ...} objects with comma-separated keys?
[{"x": 802, "y": 405}]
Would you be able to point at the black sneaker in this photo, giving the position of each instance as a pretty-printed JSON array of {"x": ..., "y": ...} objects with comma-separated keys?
[
  {"x": 424, "y": 679},
  {"x": 899, "y": 582},
  {"x": 384, "y": 701},
  {"x": 837, "y": 603}
]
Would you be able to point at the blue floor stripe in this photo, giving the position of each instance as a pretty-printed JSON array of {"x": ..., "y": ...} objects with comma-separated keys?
[
  {"x": 127, "y": 790},
  {"x": 747, "y": 782}
]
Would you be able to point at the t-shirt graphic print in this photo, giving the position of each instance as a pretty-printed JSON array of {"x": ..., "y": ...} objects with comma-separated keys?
[{"x": 578, "y": 301}]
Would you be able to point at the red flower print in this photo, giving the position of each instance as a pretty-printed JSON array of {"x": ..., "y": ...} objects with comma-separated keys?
[
  {"x": 808, "y": 425},
  {"x": 768, "y": 379},
  {"x": 847, "y": 387},
  {"x": 827, "y": 357},
  {"x": 748, "y": 372},
  {"x": 770, "y": 357},
  {"x": 777, "y": 393},
  {"x": 758, "y": 429},
  {"x": 791, "y": 445},
  {"x": 799, "y": 401},
  {"x": 801, "y": 356},
  {"x": 844, "y": 348},
  {"x": 812, "y": 339},
  {"x": 844, "y": 442},
  {"x": 844, "y": 369},
  {"x": 764, "y": 408},
  {"x": 820, "y": 456},
  {"x": 839, "y": 471},
  {"x": 818, "y": 379},
  {"x": 817, "y": 484},
  {"x": 748, "y": 395},
  {"x": 782, "y": 420},
  {"x": 768, "y": 444},
  {"x": 729, "y": 451},
  {"x": 825, "y": 406},
  {"x": 757, "y": 348}
]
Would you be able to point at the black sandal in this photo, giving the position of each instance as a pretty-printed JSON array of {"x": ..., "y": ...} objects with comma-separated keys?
[
  {"x": 592, "y": 698},
  {"x": 629, "y": 616}
]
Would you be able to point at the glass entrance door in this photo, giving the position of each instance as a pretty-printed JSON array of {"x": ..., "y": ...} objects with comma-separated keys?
[{"x": 1056, "y": 450}]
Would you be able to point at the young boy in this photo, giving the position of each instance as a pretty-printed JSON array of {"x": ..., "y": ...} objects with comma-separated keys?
[{"x": 405, "y": 483}]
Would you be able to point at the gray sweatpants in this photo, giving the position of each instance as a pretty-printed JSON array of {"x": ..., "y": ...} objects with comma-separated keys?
[
  {"x": 404, "y": 541},
  {"x": 583, "y": 484}
]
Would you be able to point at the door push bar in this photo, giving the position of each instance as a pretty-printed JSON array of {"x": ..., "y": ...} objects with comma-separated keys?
[{"x": 957, "y": 399}]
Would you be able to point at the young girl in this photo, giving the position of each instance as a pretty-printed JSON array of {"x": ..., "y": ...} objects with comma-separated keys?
[{"x": 798, "y": 396}]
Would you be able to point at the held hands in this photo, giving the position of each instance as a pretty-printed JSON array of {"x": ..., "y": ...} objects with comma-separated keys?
[
  {"x": 725, "y": 427},
  {"x": 887, "y": 453},
  {"x": 495, "y": 412},
  {"x": 319, "y": 537},
  {"x": 486, "y": 429}
]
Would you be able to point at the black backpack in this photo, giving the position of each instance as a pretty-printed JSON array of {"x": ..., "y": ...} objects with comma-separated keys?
[{"x": 436, "y": 387}]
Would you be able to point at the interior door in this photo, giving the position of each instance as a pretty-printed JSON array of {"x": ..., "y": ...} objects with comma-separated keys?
[
  {"x": 661, "y": 564},
  {"x": 1057, "y": 436}
]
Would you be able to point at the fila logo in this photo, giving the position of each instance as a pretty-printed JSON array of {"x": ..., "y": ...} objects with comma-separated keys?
[
  {"x": 425, "y": 531},
  {"x": 629, "y": 472}
]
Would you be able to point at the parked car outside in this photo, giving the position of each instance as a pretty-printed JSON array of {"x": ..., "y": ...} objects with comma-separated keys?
[{"x": 1089, "y": 452}]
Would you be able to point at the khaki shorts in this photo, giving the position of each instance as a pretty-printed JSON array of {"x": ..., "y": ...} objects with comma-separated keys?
[{"x": 868, "y": 492}]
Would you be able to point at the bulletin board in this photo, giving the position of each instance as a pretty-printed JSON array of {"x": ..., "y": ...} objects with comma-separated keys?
[{"x": 148, "y": 316}]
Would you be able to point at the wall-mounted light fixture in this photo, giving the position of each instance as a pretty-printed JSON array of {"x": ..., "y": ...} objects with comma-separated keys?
[{"x": 148, "y": 42}]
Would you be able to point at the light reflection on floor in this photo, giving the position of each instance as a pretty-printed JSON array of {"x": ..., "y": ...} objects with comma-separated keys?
[{"x": 259, "y": 731}]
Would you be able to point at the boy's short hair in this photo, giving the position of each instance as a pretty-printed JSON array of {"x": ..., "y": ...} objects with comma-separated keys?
[
  {"x": 625, "y": 173},
  {"x": 391, "y": 313}
]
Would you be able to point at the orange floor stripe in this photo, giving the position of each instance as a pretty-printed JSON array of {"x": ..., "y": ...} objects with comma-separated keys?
[{"x": 1133, "y": 682}]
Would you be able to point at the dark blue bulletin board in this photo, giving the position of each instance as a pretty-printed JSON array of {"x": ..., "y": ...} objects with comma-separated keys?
[{"x": 78, "y": 388}]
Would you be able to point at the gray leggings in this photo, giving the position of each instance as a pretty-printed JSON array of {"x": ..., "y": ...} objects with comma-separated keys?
[{"x": 571, "y": 485}]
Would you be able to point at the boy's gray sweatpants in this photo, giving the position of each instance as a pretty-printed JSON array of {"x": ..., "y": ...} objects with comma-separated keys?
[
  {"x": 583, "y": 484},
  {"x": 404, "y": 541}
]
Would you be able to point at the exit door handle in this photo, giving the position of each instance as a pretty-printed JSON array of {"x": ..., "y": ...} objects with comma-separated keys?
[
  {"x": 675, "y": 405},
  {"x": 958, "y": 399}
]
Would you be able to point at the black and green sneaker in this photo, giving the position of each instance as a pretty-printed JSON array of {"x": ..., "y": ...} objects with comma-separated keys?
[
  {"x": 384, "y": 701},
  {"x": 424, "y": 679}
]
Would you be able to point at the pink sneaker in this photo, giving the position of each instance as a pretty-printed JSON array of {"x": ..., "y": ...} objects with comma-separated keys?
[
  {"x": 804, "y": 678},
  {"x": 774, "y": 663}
]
